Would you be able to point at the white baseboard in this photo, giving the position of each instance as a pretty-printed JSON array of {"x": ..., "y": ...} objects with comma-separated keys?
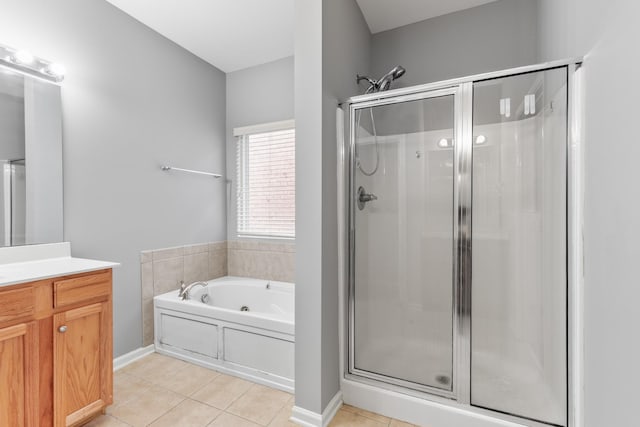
[
  {"x": 305, "y": 418},
  {"x": 122, "y": 361},
  {"x": 331, "y": 409},
  {"x": 308, "y": 418}
]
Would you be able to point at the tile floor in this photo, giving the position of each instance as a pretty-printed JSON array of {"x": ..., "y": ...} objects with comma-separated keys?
[{"x": 161, "y": 391}]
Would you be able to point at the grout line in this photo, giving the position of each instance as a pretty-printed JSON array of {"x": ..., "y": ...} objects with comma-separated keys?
[
  {"x": 203, "y": 386},
  {"x": 166, "y": 412},
  {"x": 236, "y": 399},
  {"x": 143, "y": 389},
  {"x": 272, "y": 418},
  {"x": 122, "y": 421},
  {"x": 214, "y": 418},
  {"x": 246, "y": 419}
]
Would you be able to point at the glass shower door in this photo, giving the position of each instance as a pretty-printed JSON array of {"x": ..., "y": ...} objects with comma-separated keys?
[
  {"x": 519, "y": 282},
  {"x": 402, "y": 223}
]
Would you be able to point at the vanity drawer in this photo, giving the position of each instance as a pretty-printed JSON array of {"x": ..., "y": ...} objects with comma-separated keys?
[
  {"x": 79, "y": 289},
  {"x": 17, "y": 303}
]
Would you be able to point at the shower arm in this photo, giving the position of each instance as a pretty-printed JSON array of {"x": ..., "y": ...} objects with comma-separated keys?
[{"x": 359, "y": 78}]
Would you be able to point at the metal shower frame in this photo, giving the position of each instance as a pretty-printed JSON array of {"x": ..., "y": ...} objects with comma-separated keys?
[{"x": 462, "y": 91}]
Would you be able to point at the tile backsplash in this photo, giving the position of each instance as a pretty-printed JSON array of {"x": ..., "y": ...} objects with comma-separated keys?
[
  {"x": 270, "y": 261},
  {"x": 163, "y": 269}
]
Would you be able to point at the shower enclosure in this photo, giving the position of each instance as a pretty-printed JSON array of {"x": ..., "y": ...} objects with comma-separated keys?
[{"x": 457, "y": 243}]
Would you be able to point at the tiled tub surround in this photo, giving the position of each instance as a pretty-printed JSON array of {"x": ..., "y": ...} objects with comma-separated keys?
[
  {"x": 260, "y": 260},
  {"x": 162, "y": 269}
]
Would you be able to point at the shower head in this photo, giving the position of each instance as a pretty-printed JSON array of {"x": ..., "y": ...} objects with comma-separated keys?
[
  {"x": 397, "y": 72},
  {"x": 384, "y": 83}
]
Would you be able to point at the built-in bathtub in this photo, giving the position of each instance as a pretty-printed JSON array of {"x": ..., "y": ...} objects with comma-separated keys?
[{"x": 245, "y": 328}]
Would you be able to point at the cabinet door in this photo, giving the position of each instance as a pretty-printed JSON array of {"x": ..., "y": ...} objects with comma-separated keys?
[
  {"x": 82, "y": 379},
  {"x": 19, "y": 375}
]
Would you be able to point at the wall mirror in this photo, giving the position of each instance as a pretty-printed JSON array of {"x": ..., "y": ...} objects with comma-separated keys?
[{"x": 30, "y": 160}]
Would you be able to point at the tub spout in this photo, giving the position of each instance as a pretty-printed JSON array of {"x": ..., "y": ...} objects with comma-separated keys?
[{"x": 183, "y": 294}]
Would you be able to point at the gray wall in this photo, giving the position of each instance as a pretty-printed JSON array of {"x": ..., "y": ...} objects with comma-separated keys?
[
  {"x": 255, "y": 95},
  {"x": 332, "y": 46},
  {"x": 346, "y": 47},
  {"x": 131, "y": 101},
  {"x": 608, "y": 37},
  {"x": 494, "y": 36},
  {"x": 309, "y": 167}
]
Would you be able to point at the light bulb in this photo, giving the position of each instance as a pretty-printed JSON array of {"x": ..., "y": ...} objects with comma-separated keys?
[
  {"x": 23, "y": 57},
  {"x": 443, "y": 143},
  {"x": 481, "y": 139},
  {"x": 56, "y": 70}
]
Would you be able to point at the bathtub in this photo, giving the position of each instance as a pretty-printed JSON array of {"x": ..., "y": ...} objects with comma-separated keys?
[{"x": 242, "y": 327}]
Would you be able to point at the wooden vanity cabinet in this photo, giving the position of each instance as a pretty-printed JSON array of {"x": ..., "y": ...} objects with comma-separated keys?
[
  {"x": 56, "y": 365},
  {"x": 18, "y": 363}
]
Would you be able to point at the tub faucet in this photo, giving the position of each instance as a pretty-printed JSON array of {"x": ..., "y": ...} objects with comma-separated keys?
[{"x": 183, "y": 293}]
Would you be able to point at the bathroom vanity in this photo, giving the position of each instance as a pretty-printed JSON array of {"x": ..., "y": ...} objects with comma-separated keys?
[{"x": 56, "y": 352}]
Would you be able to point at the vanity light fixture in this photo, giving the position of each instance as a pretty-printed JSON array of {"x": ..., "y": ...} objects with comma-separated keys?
[
  {"x": 22, "y": 57},
  {"x": 55, "y": 70},
  {"x": 24, "y": 62}
]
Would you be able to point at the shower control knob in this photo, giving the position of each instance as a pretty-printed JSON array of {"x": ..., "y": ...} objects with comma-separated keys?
[
  {"x": 364, "y": 198},
  {"x": 62, "y": 329}
]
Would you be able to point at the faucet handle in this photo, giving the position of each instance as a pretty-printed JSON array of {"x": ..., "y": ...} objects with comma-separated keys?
[{"x": 182, "y": 287}]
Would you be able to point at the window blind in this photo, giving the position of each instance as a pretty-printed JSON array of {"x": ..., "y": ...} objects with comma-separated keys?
[{"x": 265, "y": 165}]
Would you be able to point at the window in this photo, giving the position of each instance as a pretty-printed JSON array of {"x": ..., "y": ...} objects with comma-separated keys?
[{"x": 265, "y": 166}]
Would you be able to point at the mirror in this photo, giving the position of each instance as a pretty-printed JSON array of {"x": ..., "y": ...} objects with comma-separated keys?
[{"x": 30, "y": 160}]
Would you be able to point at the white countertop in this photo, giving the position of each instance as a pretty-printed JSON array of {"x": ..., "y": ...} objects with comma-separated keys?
[{"x": 29, "y": 271}]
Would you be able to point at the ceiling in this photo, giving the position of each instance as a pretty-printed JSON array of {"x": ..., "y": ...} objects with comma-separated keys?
[
  {"x": 382, "y": 15},
  {"x": 230, "y": 35},
  {"x": 237, "y": 34}
]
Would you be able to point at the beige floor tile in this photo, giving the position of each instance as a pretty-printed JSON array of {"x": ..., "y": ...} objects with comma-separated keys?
[
  {"x": 282, "y": 418},
  {"x": 188, "y": 413},
  {"x": 349, "y": 419},
  {"x": 228, "y": 420},
  {"x": 222, "y": 391},
  {"x": 153, "y": 365},
  {"x": 106, "y": 421},
  {"x": 396, "y": 423},
  {"x": 368, "y": 414},
  {"x": 145, "y": 408},
  {"x": 126, "y": 387},
  {"x": 259, "y": 404},
  {"x": 185, "y": 381},
  {"x": 152, "y": 391}
]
